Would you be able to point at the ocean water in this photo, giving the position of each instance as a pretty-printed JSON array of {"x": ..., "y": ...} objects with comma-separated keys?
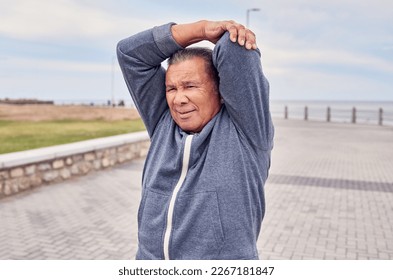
[{"x": 367, "y": 112}]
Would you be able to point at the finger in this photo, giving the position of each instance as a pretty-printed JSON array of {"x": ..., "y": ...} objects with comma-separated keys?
[
  {"x": 233, "y": 32},
  {"x": 241, "y": 37},
  {"x": 250, "y": 40}
]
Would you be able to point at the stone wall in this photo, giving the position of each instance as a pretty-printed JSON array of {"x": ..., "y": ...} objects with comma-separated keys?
[{"x": 21, "y": 175}]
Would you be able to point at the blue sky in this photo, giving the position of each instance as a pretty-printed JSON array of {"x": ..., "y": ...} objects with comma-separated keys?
[{"x": 311, "y": 50}]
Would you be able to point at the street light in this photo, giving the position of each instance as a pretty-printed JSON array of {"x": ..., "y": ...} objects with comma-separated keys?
[
  {"x": 113, "y": 82},
  {"x": 248, "y": 14}
]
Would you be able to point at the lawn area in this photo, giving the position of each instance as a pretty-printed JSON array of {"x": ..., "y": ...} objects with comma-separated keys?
[{"x": 24, "y": 135}]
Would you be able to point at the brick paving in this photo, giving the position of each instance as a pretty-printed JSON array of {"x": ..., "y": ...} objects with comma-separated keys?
[
  {"x": 330, "y": 193},
  {"x": 91, "y": 217},
  {"x": 329, "y": 196}
]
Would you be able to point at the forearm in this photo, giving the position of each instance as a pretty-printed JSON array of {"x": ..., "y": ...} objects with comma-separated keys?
[
  {"x": 148, "y": 48},
  {"x": 189, "y": 33}
]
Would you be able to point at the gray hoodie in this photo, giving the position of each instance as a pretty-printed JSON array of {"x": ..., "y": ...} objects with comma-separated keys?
[{"x": 202, "y": 194}]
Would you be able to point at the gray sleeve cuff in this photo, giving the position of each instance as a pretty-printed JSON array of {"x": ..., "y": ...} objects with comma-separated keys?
[{"x": 164, "y": 40}]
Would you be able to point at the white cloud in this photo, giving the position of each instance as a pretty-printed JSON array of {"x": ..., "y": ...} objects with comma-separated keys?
[
  {"x": 51, "y": 65},
  {"x": 58, "y": 19},
  {"x": 281, "y": 58},
  {"x": 327, "y": 74},
  {"x": 335, "y": 22},
  {"x": 305, "y": 84},
  {"x": 59, "y": 79}
]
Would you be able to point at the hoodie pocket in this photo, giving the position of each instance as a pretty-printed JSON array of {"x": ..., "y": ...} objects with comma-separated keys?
[
  {"x": 197, "y": 232},
  {"x": 152, "y": 217}
]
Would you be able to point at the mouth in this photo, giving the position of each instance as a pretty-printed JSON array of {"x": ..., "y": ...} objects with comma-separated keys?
[{"x": 185, "y": 114}]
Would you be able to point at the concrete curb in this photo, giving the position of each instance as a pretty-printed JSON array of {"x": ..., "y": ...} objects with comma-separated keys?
[
  {"x": 29, "y": 169},
  {"x": 50, "y": 153}
]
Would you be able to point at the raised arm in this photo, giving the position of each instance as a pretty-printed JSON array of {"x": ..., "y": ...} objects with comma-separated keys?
[
  {"x": 245, "y": 91},
  {"x": 140, "y": 58}
]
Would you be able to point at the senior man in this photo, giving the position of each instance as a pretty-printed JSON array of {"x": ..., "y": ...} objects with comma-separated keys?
[{"x": 211, "y": 137}]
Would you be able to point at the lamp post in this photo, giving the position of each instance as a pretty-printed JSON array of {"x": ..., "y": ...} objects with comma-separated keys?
[
  {"x": 248, "y": 14},
  {"x": 113, "y": 82}
]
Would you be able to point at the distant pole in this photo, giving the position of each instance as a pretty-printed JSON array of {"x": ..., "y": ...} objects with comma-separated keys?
[
  {"x": 380, "y": 116},
  {"x": 113, "y": 82},
  {"x": 306, "y": 113},
  {"x": 286, "y": 112},
  {"x": 328, "y": 115},
  {"x": 353, "y": 115},
  {"x": 248, "y": 15}
]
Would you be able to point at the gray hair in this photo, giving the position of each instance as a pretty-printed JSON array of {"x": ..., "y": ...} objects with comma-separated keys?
[{"x": 204, "y": 53}]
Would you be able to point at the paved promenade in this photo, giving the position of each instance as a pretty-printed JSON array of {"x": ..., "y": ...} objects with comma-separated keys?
[{"x": 329, "y": 196}]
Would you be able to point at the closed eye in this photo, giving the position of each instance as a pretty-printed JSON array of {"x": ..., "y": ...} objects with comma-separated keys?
[{"x": 190, "y": 85}]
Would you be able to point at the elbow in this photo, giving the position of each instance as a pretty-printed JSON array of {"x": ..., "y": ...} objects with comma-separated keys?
[
  {"x": 224, "y": 42},
  {"x": 119, "y": 48},
  {"x": 226, "y": 50},
  {"x": 122, "y": 52}
]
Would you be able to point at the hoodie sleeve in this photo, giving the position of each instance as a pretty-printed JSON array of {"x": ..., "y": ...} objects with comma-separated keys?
[
  {"x": 140, "y": 57},
  {"x": 245, "y": 91}
]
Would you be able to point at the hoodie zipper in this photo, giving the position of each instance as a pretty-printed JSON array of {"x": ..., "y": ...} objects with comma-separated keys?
[{"x": 184, "y": 170}]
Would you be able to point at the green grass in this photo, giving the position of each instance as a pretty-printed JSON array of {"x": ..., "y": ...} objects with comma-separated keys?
[{"x": 21, "y": 135}]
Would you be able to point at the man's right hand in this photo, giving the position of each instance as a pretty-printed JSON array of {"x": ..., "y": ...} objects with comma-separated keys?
[
  {"x": 213, "y": 31},
  {"x": 187, "y": 34}
]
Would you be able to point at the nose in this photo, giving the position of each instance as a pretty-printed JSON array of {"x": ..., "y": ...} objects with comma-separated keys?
[{"x": 180, "y": 98}]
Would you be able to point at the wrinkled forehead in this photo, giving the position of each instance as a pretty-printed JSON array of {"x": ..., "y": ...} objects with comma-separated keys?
[{"x": 188, "y": 69}]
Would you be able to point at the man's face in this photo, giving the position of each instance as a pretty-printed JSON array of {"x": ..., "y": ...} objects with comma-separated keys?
[{"x": 191, "y": 95}]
